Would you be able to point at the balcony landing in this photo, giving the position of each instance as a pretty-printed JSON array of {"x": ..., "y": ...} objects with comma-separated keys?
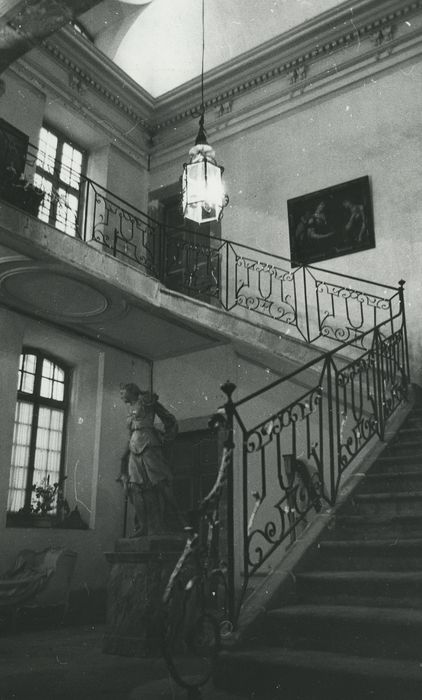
[{"x": 62, "y": 280}]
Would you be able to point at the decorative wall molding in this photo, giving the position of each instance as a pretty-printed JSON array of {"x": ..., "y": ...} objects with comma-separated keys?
[
  {"x": 330, "y": 52},
  {"x": 334, "y": 55},
  {"x": 288, "y": 59},
  {"x": 224, "y": 108},
  {"x": 92, "y": 69},
  {"x": 78, "y": 100},
  {"x": 77, "y": 83}
]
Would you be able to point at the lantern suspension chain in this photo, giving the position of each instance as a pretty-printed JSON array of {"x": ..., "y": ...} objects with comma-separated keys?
[{"x": 201, "y": 138}]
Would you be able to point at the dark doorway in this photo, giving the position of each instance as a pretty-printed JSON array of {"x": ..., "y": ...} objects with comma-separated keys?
[
  {"x": 191, "y": 255},
  {"x": 195, "y": 467}
]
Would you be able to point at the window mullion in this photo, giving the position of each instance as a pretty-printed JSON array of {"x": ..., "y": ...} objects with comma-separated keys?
[
  {"x": 31, "y": 460},
  {"x": 34, "y": 430},
  {"x": 55, "y": 180}
]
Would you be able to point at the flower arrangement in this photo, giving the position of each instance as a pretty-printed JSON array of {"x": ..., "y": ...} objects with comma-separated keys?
[{"x": 49, "y": 497}]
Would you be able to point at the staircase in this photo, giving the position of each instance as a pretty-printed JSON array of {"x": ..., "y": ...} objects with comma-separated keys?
[{"x": 354, "y": 630}]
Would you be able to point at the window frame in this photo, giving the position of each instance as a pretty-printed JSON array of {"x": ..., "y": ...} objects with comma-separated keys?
[
  {"x": 54, "y": 177},
  {"x": 24, "y": 516}
]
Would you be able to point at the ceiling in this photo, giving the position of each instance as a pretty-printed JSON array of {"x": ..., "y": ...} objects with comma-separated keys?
[{"x": 158, "y": 42}]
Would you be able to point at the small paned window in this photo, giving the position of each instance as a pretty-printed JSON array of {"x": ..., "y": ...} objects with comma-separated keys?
[
  {"x": 59, "y": 169},
  {"x": 39, "y": 430}
]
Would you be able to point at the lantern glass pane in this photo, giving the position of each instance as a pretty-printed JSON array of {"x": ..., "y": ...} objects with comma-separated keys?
[
  {"x": 196, "y": 183},
  {"x": 202, "y": 191}
]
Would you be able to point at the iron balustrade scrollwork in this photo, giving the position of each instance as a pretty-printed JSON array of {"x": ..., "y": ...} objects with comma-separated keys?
[
  {"x": 294, "y": 460},
  {"x": 315, "y": 305},
  {"x": 355, "y": 302},
  {"x": 265, "y": 288},
  {"x": 312, "y": 304},
  {"x": 121, "y": 230},
  {"x": 197, "y": 606},
  {"x": 287, "y": 479},
  {"x": 193, "y": 263}
]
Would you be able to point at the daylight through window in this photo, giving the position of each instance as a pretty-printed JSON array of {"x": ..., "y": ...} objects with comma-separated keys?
[
  {"x": 59, "y": 169},
  {"x": 38, "y": 438}
]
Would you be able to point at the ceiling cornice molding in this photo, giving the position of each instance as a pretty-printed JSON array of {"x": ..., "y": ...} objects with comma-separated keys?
[
  {"x": 288, "y": 57},
  {"x": 267, "y": 106},
  {"x": 95, "y": 71},
  {"x": 323, "y": 55},
  {"x": 133, "y": 149}
]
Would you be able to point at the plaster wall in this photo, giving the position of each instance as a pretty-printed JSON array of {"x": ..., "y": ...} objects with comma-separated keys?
[
  {"x": 23, "y": 105},
  {"x": 371, "y": 128},
  {"x": 127, "y": 179},
  {"x": 96, "y": 438}
]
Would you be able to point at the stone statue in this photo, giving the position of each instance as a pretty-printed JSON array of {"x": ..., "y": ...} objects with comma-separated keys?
[{"x": 145, "y": 473}]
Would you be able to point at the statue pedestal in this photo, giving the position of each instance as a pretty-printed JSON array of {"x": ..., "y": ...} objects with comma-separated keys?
[{"x": 140, "y": 569}]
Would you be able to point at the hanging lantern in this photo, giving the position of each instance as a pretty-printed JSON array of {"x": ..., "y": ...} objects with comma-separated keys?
[
  {"x": 203, "y": 196},
  {"x": 202, "y": 183}
]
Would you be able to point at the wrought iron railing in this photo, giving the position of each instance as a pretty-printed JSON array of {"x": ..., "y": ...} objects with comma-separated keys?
[
  {"x": 296, "y": 439},
  {"x": 120, "y": 229},
  {"x": 312, "y": 304},
  {"x": 293, "y": 442}
]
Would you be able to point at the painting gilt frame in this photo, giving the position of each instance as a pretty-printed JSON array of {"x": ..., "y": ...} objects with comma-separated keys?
[{"x": 331, "y": 222}]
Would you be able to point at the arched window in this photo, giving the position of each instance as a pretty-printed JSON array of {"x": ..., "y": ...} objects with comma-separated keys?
[{"x": 39, "y": 430}]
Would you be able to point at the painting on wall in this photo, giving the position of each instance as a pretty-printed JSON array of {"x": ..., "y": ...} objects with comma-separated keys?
[{"x": 331, "y": 222}]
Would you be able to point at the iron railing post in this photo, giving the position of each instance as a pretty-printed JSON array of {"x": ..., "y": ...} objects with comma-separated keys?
[
  {"x": 404, "y": 328},
  {"x": 86, "y": 208},
  {"x": 164, "y": 238},
  {"x": 227, "y": 280},
  {"x": 228, "y": 389},
  {"x": 305, "y": 293},
  {"x": 331, "y": 422},
  {"x": 379, "y": 383}
]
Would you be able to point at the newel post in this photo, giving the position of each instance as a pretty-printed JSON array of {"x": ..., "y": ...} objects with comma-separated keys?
[
  {"x": 228, "y": 389},
  {"x": 404, "y": 329}
]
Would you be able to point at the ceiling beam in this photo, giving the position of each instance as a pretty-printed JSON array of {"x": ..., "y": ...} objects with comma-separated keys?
[{"x": 25, "y": 23}]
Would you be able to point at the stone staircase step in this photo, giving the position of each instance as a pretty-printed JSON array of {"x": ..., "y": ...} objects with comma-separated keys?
[
  {"x": 404, "y": 445},
  {"x": 388, "y": 462},
  {"x": 271, "y": 673},
  {"x": 361, "y": 527},
  {"x": 363, "y": 588},
  {"x": 354, "y": 630},
  {"x": 357, "y": 555},
  {"x": 385, "y": 503},
  {"x": 414, "y": 420},
  {"x": 395, "y": 481},
  {"x": 361, "y": 631},
  {"x": 410, "y": 432}
]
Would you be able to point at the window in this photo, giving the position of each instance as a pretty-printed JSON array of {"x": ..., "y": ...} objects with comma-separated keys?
[
  {"x": 59, "y": 168},
  {"x": 39, "y": 430}
]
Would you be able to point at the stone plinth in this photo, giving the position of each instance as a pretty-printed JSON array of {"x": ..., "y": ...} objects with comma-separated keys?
[{"x": 140, "y": 569}]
